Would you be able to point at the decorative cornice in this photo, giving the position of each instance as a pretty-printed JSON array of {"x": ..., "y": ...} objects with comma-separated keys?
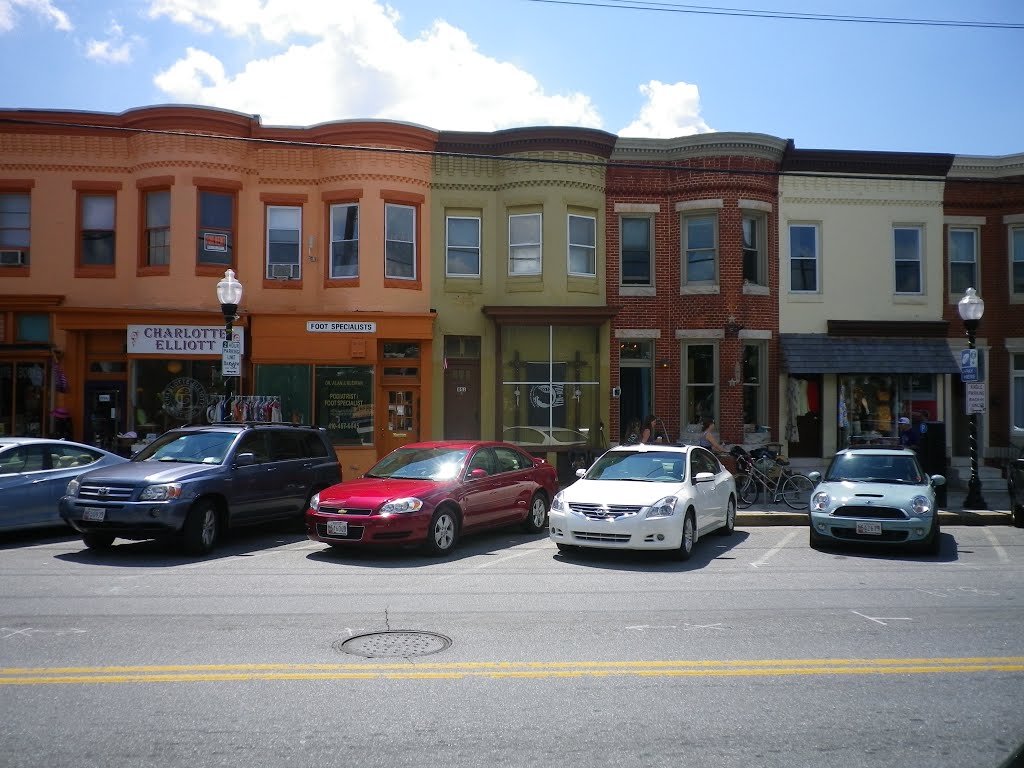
[
  {"x": 974, "y": 166},
  {"x": 716, "y": 144}
]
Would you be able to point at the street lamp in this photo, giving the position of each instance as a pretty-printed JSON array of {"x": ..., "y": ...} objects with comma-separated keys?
[
  {"x": 229, "y": 294},
  {"x": 971, "y": 309}
]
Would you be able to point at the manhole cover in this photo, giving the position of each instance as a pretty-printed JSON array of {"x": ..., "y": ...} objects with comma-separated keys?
[{"x": 398, "y": 642}]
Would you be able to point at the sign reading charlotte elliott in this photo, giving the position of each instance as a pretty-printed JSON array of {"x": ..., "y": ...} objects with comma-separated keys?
[{"x": 179, "y": 340}]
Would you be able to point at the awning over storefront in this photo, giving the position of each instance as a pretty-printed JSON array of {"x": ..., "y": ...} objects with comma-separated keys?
[{"x": 818, "y": 353}]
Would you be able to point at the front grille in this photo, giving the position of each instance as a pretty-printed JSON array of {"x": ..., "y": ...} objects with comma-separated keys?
[
  {"x": 612, "y": 538},
  {"x": 345, "y": 511},
  {"x": 870, "y": 512},
  {"x": 355, "y": 533},
  {"x": 850, "y": 534},
  {"x": 604, "y": 511},
  {"x": 97, "y": 492}
]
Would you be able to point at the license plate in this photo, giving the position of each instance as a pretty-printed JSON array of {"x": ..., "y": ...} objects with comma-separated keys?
[
  {"x": 337, "y": 528},
  {"x": 95, "y": 514},
  {"x": 872, "y": 529}
]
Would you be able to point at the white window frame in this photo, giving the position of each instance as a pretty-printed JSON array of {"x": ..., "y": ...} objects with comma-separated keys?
[
  {"x": 684, "y": 228},
  {"x": 973, "y": 262},
  {"x": 918, "y": 260},
  {"x": 393, "y": 242},
  {"x": 1015, "y": 245},
  {"x": 280, "y": 220},
  {"x": 814, "y": 258},
  {"x": 526, "y": 257},
  {"x": 648, "y": 220},
  {"x": 339, "y": 240},
  {"x": 586, "y": 252},
  {"x": 459, "y": 248},
  {"x": 760, "y": 227}
]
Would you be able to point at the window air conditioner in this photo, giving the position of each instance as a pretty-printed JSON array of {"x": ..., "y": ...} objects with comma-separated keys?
[
  {"x": 284, "y": 271},
  {"x": 12, "y": 258}
]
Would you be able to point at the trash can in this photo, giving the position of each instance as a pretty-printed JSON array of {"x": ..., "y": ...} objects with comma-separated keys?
[{"x": 931, "y": 452}]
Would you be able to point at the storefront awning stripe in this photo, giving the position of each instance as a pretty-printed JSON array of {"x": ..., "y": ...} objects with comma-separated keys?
[{"x": 818, "y": 353}]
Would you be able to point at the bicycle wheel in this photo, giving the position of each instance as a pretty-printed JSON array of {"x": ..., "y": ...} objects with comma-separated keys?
[
  {"x": 796, "y": 491},
  {"x": 746, "y": 490}
]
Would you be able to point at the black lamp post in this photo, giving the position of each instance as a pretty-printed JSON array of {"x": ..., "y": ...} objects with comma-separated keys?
[
  {"x": 229, "y": 294},
  {"x": 971, "y": 309}
]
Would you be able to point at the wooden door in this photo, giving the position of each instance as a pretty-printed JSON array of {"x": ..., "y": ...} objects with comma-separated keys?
[
  {"x": 462, "y": 400},
  {"x": 401, "y": 418}
]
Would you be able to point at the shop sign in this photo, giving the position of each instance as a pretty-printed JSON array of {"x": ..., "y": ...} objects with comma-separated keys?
[
  {"x": 231, "y": 359},
  {"x": 184, "y": 398},
  {"x": 326, "y": 326},
  {"x": 179, "y": 340},
  {"x": 975, "y": 396}
]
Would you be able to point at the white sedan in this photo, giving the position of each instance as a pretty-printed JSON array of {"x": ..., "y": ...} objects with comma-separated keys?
[{"x": 656, "y": 497}]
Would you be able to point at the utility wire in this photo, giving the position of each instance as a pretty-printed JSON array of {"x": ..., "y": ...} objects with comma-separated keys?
[
  {"x": 433, "y": 153},
  {"x": 707, "y": 10}
]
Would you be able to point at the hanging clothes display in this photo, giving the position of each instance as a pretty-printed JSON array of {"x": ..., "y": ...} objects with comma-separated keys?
[{"x": 792, "y": 431}]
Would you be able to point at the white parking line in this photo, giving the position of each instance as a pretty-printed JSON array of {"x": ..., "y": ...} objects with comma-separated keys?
[
  {"x": 1000, "y": 552},
  {"x": 776, "y": 549}
]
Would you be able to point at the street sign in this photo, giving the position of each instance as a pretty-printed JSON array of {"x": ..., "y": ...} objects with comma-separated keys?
[
  {"x": 968, "y": 365},
  {"x": 231, "y": 358},
  {"x": 975, "y": 397}
]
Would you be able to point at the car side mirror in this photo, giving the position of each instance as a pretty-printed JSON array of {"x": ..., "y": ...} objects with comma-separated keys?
[
  {"x": 581, "y": 472},
  {"x": 245, "y": 459},
  {"x": 476, "y": 474},
  {"x": 814, "y": 477},
  {"x": 703, "y": 477},
  {"x": 938, "y": 480}
]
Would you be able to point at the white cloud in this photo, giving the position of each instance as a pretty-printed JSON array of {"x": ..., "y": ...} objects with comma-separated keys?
[
  {"x": 115, "y": 50},
  {"x": 348, "y": 60},
  {"x": 11, "y": 9},
  {"x": 671, "y": 110}
]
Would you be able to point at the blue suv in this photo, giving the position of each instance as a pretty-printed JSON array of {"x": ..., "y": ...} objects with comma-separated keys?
[{"x": 196, "y": 482}]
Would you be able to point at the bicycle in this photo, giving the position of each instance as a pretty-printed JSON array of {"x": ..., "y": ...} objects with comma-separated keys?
[{"x": 769, "y": 472}]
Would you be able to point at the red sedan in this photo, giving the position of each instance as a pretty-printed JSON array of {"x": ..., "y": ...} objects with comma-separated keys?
[{"x": 432, "y": 493}]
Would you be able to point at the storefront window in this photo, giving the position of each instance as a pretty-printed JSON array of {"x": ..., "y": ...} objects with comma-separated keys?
[
  {"x": 292, "y": 385},
  {"x": 29, "y": 402},
  {"x": 754, "y": 412},
  {"x": 700, "y": 384},
  {"x": 870, "y": 406},
  {"x": 549, "y": 386},
  {"x": 401, "y": 359},
  {"x": 169, "y": 393},
  {"x": 344, "y": 403}
]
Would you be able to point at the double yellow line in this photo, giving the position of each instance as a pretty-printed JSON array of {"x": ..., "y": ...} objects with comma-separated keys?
[{"x": 192, "y": 673}]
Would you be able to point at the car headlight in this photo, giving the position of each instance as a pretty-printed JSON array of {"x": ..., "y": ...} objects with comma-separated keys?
[
  {"x": 402, "y": 506},
  {"x": 314, "y": 502},
  {"x": 556, "y": 504},
  {"x": 820, "y": 501},
  {"x": 921, "y": 506},
  {"x": 73, "y": 487},
  {"x": 164, "y": 492},
  {"x": 665, "y": 507}
]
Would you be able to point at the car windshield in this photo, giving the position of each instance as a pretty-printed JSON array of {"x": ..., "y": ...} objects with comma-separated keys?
[
  {"x": 421, "y": 464},
  {"x": 881, "y": 468},
  {"x": 188, "y": 447},
  {"x": 640, "y": 466}
]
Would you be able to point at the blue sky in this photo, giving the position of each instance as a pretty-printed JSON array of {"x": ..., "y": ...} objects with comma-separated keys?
[{"x": 491, "y": 64}]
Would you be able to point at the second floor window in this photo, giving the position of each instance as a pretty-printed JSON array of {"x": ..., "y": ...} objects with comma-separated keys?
[
  {"x": 907, "y": 252},
  {"x": 754, "y": 266},
  {"x": 216, "y": 228},
  {"x": 1017, "y": 259},
  {"x": 345, "y": 240},
  {"x": 97, "y": 234},
  {"x": 284, "y": 242},
  {"x": 582, "y": 245},
  {"x": 158, "y": 228},
  {"x": 462, "y": 247},
  {"x": 14, "y": 230},
  {"x": 701, "y": 249},
  {"x": 963, "y": 259},
  {"x": 803, "y": 257},
  {"x": 524, "y": 246},
  {"x": 635, "y": 245},
  {"x": 399, "y": 241}
]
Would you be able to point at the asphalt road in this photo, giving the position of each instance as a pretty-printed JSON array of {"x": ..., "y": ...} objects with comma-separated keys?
[{"x": 276, "y": 651}]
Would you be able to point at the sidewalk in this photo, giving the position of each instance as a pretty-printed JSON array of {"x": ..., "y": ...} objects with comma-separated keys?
[{"x": 997, "y": 499}]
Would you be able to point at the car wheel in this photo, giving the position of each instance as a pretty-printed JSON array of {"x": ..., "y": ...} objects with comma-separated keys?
[
  {"x": 689, "y": 535},
  {"x": 932, "y": 544},
  {"x": 1018, "y": 513},
  {"x": 730, "y": 519},
  {"x": 442, "y": 533},
  {"x": 201, "y": 528},
  {"x": 537, "y": 520},
  {"x": 97, "y": 540}
]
